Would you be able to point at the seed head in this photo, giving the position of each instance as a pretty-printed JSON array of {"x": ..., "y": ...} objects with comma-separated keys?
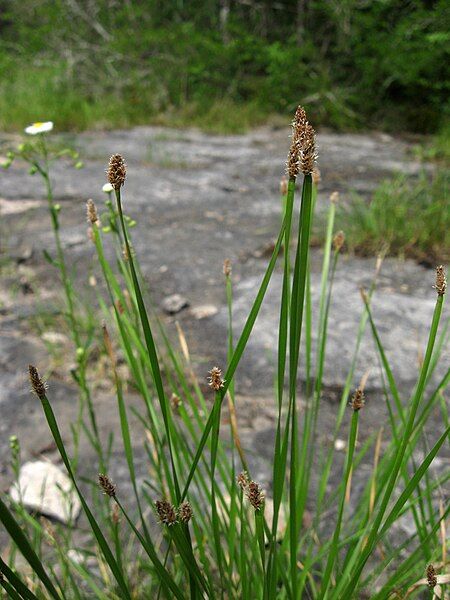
[
  {"x": 166, "y": 512},
  {"x": 316, "y": 176},
  {"x": 227, "y": 267},
  {"x": 255, "y": 495},
  {"x": 117, "y": 171},
  {"x": 107, "y": 485},
  {"x": 302, "y": 154},
  {"x": 431, "y": 577},
  {"x": 185, "y": 512},
  {"x": 308, "y": 154},
  {"x": 338, "y": 240},
  {"x": 358, "y": 400},
  {"x": 242, "y": 480},
  {"x": 441, "y": 281},
  {"x": 91, "y": 212},
  {"x": 283, "y": 186},
  {"x": 38, "y": 386},
  {"x": 334, "y": 197},
  {"x": 215, "y": 379}
]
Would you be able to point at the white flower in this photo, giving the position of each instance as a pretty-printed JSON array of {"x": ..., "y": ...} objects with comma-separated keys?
[
  {"x": 107, "y": 188},
  {"x": 39, "y": 127}
]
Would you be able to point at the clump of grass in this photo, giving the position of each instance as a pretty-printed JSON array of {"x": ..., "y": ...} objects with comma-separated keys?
[
  {"x": 404, "y": 217},
  {"x": 200, "y": 530}
]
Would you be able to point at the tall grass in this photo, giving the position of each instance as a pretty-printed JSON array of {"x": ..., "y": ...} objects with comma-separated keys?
[
  {"x": 220, "y": 535},
  {"x": 403, "y": 218}
]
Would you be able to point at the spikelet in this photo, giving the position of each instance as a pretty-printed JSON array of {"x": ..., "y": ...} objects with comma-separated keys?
[
  {"x": 108, "y": 487},
  {"x": 431, "y": 577},
  {"x": 185, "y": 512},
  {"x": 255, "y": 495},
  {"x": 117, "y": 171},
  {"x": 358, "y": 400},
  {"x": 91, "y": 213},
  {"x": 215, "y": 380},
  {"x": 166, "y": 512},
  {"x": 302, "y": 153},
  {"x": 441, "y": 281},
  {"x": 38, "y": 386}
]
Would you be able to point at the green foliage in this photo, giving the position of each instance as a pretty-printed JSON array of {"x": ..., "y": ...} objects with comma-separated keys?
[
  {"x": 105, "y": 64},
  {"x": 407, "y": 218}
]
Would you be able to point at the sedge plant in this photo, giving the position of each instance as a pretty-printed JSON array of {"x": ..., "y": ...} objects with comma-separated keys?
[{"x": 198, "y": 525}]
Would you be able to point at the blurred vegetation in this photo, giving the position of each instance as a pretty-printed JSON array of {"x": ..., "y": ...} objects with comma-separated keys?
[
  {"x": 408, "y": 218},
  {"x": 224, "y": 64}
]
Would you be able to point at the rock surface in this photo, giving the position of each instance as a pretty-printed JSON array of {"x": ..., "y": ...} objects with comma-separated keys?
[
  {"x": 43, "y": 488},
  {"x": 197, "y": 200}
]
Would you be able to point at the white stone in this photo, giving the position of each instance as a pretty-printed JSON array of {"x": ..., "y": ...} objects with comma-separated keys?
[
  {"x": 44, "y": 488},
  {"x": 174, "y": 304},
  {"x": 204, "y": 311},
  {"x": 54, "y": 337}
]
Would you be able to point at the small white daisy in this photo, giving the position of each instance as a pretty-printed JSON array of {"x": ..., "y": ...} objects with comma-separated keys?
[
  {"x": 107, "y": 188},
  {"x": 39, "y": 127}
]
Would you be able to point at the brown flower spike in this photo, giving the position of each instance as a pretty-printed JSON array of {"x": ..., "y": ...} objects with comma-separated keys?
[
  {"x": 242, "y": 480},
  {"x": 255, "y": 495},
  {"x": 302, "y": 154},
  {"x": 91, "y": 212},
  {"x": 358, "y": 401},
  {"x": 117, "y": 171},
  {"x": 227, "y": 267},
  {"x": 107, "y": 485},
  {"x": 441, "y": 281},
  {"x": 166, "y": 512},
  {"x": 215, "y": 379},
  {"x": 431, "y": 577},
  {"x": 338, "y": 241},
  {"x": 38, "y": 386},
  {"x": 185, "y": 512}
]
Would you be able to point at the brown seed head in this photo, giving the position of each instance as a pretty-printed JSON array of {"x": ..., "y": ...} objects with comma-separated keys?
[
  {"x": 38, "y": 386},
  {"x": 117, "y": 171},
  {"x": 242, "y": 480},
  {"x": 334, "y": 197},
  {"x": 166, "y": 512},
  {"x": 431, "y": 577},
  {"x": 308, "y": 154},
  {"x": 215, "y": 379},
  {"x": 227, "y": 267},
  {"x": 292, "y": 165},
  {"x": 299, "y": 122},
  {"x": 255, "y": 495},
  {"x": 338, "y": 240},
  {"x": 357, "y": 401},
  {"x": 316, "y": 177},
  {"x": 90, "y": 234},
  {"x": 91, "y": 212},
  {"x": 441, "y": 281},
  {"x": 185, "y": 512},
  {"x": 283, "y": 186},
  {"x": 302, "y": 154},
  {"x": 107, "y": 485}
]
